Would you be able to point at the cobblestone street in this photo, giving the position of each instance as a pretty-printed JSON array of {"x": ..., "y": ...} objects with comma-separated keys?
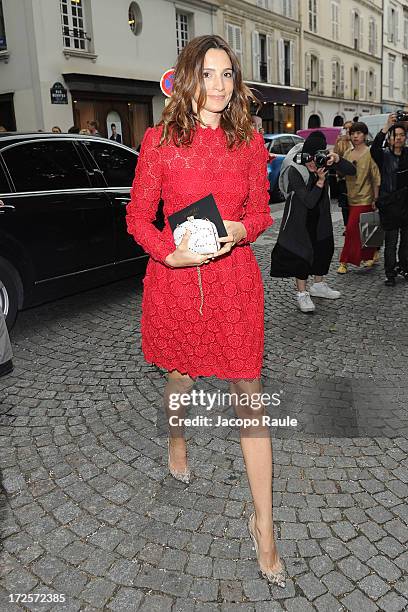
[{"x": 91, "y": 512}]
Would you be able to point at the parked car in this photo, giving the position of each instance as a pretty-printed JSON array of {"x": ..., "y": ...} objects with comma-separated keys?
[
  {"x": 62, "y": 217},
  {"x": 278, "y": 146}
]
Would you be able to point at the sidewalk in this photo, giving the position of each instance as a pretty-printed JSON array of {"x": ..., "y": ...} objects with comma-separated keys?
[{"x": 92, "y": 513}]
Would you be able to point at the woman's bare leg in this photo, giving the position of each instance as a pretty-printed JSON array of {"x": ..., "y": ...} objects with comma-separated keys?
[
  {"x": 301, "y": 285},
  {"x": 177, "y": 384},
  {"x": 257, "y": 451}
]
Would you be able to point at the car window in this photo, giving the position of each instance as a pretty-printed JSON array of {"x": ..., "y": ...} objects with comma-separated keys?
[
  {"x": 117, "y": 164},
  {"x": 4, "y": 186},
  {"x": 297, "y": 139},
  {"x": 275, "y": 146},
  {"x": 45, "y": 165},
  {"x": 286, "y": 143}
]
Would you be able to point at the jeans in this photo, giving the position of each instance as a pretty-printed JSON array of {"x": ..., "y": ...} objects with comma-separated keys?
[{"x": 390, "y": 251}]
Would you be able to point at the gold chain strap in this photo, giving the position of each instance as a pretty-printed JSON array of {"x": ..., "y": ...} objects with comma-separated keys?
[{"x": 200, "y": 284}]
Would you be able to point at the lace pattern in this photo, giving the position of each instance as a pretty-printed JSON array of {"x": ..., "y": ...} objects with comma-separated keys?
[{"x": 227, "y": 339}]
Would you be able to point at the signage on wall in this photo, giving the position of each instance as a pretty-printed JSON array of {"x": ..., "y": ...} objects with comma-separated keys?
[
  {"x": 59, "y": 94},
  {"x": 166, "y": 82}
]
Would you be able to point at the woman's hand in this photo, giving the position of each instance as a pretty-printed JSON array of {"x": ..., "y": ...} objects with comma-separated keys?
[
  {"x": 333, "y": 158},
  {"x": 374, "y": 205},
  {"x": 182, "y": 257},
  {"x": 236, "y": 232},
  {"x": 321, "y": 174}
]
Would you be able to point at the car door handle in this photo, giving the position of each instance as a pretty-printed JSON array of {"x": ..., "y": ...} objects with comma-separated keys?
[
  {"x": 4, "y": 207},
  {"x": 123, "y": 201}
]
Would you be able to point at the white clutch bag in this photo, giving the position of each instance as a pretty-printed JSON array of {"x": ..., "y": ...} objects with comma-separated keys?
[{"x": 204, "y": 235}]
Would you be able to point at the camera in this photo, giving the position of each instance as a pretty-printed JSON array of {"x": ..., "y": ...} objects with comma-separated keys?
[
  {"x": 401, "y": 115},
  {"x": 320, "y": 158}
]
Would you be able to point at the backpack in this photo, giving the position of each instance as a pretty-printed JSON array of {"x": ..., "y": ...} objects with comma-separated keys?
[{"x": 289, "y": 162}]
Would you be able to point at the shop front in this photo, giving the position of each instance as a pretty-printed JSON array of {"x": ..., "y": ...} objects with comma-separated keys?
[
  {"x": 282, "y": 107},
  {"x": 122, "y": 108}
]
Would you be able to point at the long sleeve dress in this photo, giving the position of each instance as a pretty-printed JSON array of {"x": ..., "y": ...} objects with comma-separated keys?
[{"x": 227, "y": 339}]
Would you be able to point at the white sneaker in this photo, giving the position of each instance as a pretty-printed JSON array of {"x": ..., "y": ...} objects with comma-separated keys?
[
  {"x": 304, "y": 302},
  {"x": 322, "y": 290}
]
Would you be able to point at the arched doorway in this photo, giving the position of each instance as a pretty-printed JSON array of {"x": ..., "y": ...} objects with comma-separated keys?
[{"x": 314, "y": 122}]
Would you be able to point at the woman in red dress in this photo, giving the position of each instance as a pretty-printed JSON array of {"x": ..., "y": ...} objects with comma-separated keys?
[{"x": 207, "y": 320}]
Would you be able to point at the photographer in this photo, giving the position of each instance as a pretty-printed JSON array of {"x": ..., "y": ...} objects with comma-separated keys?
[
  {"x": 305, "y": 243},
  {"x": 393, "y": 200}
]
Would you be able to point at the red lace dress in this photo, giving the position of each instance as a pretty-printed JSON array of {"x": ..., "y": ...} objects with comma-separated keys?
[{"x": 227, "y": 339}]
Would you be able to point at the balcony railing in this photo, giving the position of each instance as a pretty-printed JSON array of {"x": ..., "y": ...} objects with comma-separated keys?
[{"x": 76, "y": 39}]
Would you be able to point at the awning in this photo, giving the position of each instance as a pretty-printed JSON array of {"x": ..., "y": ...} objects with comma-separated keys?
[
  {"x": 111, "y": 85},
  {"x": 279, "y": 93}
]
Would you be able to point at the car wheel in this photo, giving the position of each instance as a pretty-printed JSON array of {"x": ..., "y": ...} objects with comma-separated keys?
[{"x": 8, "y": 293}]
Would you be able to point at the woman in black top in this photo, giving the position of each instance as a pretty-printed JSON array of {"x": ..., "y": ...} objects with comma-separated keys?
[{"x": 305, "y": 243}]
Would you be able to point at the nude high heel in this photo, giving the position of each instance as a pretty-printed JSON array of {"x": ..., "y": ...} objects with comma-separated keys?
[
  {"x": 183, "y": 476},
  {"x": 278, "y": 577}
]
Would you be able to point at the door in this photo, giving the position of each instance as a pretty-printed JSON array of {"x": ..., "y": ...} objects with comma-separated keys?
[
  {"x": 117, "y": 165},
  {"x": 53, "y": 207}
]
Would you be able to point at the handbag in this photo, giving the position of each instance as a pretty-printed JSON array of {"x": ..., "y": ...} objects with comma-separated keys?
[
  {"x": 204, "y": 235},
  {"x": 371, "y": 232}
]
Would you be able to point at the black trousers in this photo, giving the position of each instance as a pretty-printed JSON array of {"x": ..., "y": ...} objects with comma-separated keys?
[{"x": 390, "y": 250}]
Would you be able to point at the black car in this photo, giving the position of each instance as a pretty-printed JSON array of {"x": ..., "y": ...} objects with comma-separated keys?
[{"x": 63, "y": 203}]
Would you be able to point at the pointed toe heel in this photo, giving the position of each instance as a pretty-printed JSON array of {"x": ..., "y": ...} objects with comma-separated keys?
[
  {"x": 278, "y": 577},
  {"x": 182, "y": 476}
]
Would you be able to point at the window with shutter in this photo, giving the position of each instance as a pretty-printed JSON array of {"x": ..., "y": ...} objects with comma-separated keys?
[
  {"x": 405, "y": 79},
  {"x": 234, "y": 39},
  {"x": 308, "y": 69},
  {"x": 405, "y": 30},
  {"x": 361, "y": 34},
  {"x": 334, "y": 79},
  {"x": 281, "y": 61},
  {"x": 335, "y": 20},
  {"x": 341, "y": 80},
  {"x": 391, "y": 67},
  {"x": 362, "y": 85},
  {"x": 269, "y": 57},
  {"x": 292, "y": 62},
  {"x": 256, "y": 72},
  {"x": 313, "y": 15},
  {"x": 321, "y": 77}
]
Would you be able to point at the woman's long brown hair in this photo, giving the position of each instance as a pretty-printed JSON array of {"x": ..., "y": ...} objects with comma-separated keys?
[{"x": 178, "y": 119}]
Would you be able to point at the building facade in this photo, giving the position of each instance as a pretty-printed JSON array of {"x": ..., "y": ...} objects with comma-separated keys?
[
  {"x": 395, "y": 55},
  {"x": 342, "y": 51},
  {"x": 265, "y": 34},
  {"x": 66, "y": 62}
]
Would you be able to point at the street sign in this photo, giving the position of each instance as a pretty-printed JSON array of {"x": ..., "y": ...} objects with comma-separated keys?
[
  {"x": 58, "y": 94},
  {"x": 166, "y": 82}
]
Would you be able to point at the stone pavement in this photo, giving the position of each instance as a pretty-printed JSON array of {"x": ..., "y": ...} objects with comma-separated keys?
[{"x": 90, "y": 511}]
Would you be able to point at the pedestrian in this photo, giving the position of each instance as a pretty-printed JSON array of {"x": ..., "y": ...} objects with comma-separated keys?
[
  {"x": 205, "y": 143},
  {"x": 85, "y": 132},
  {"x": 362, "y": 192},
  {"x": 305, "y": 243},
  {"x": 393, "y": 198},
  {"x": 74, "y": 130},
  {"x": 343, "y": 144},
  {"x": 56, "y": 130},
  {"x": 93, "y": 128},
  {"x": 2, "y": 128},
  {"x": 6, "y": 353},
  {"x": 115, "y": 136}
]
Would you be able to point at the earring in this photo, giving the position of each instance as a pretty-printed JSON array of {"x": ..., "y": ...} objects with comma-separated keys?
[{"x": 228, "y": 105}]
